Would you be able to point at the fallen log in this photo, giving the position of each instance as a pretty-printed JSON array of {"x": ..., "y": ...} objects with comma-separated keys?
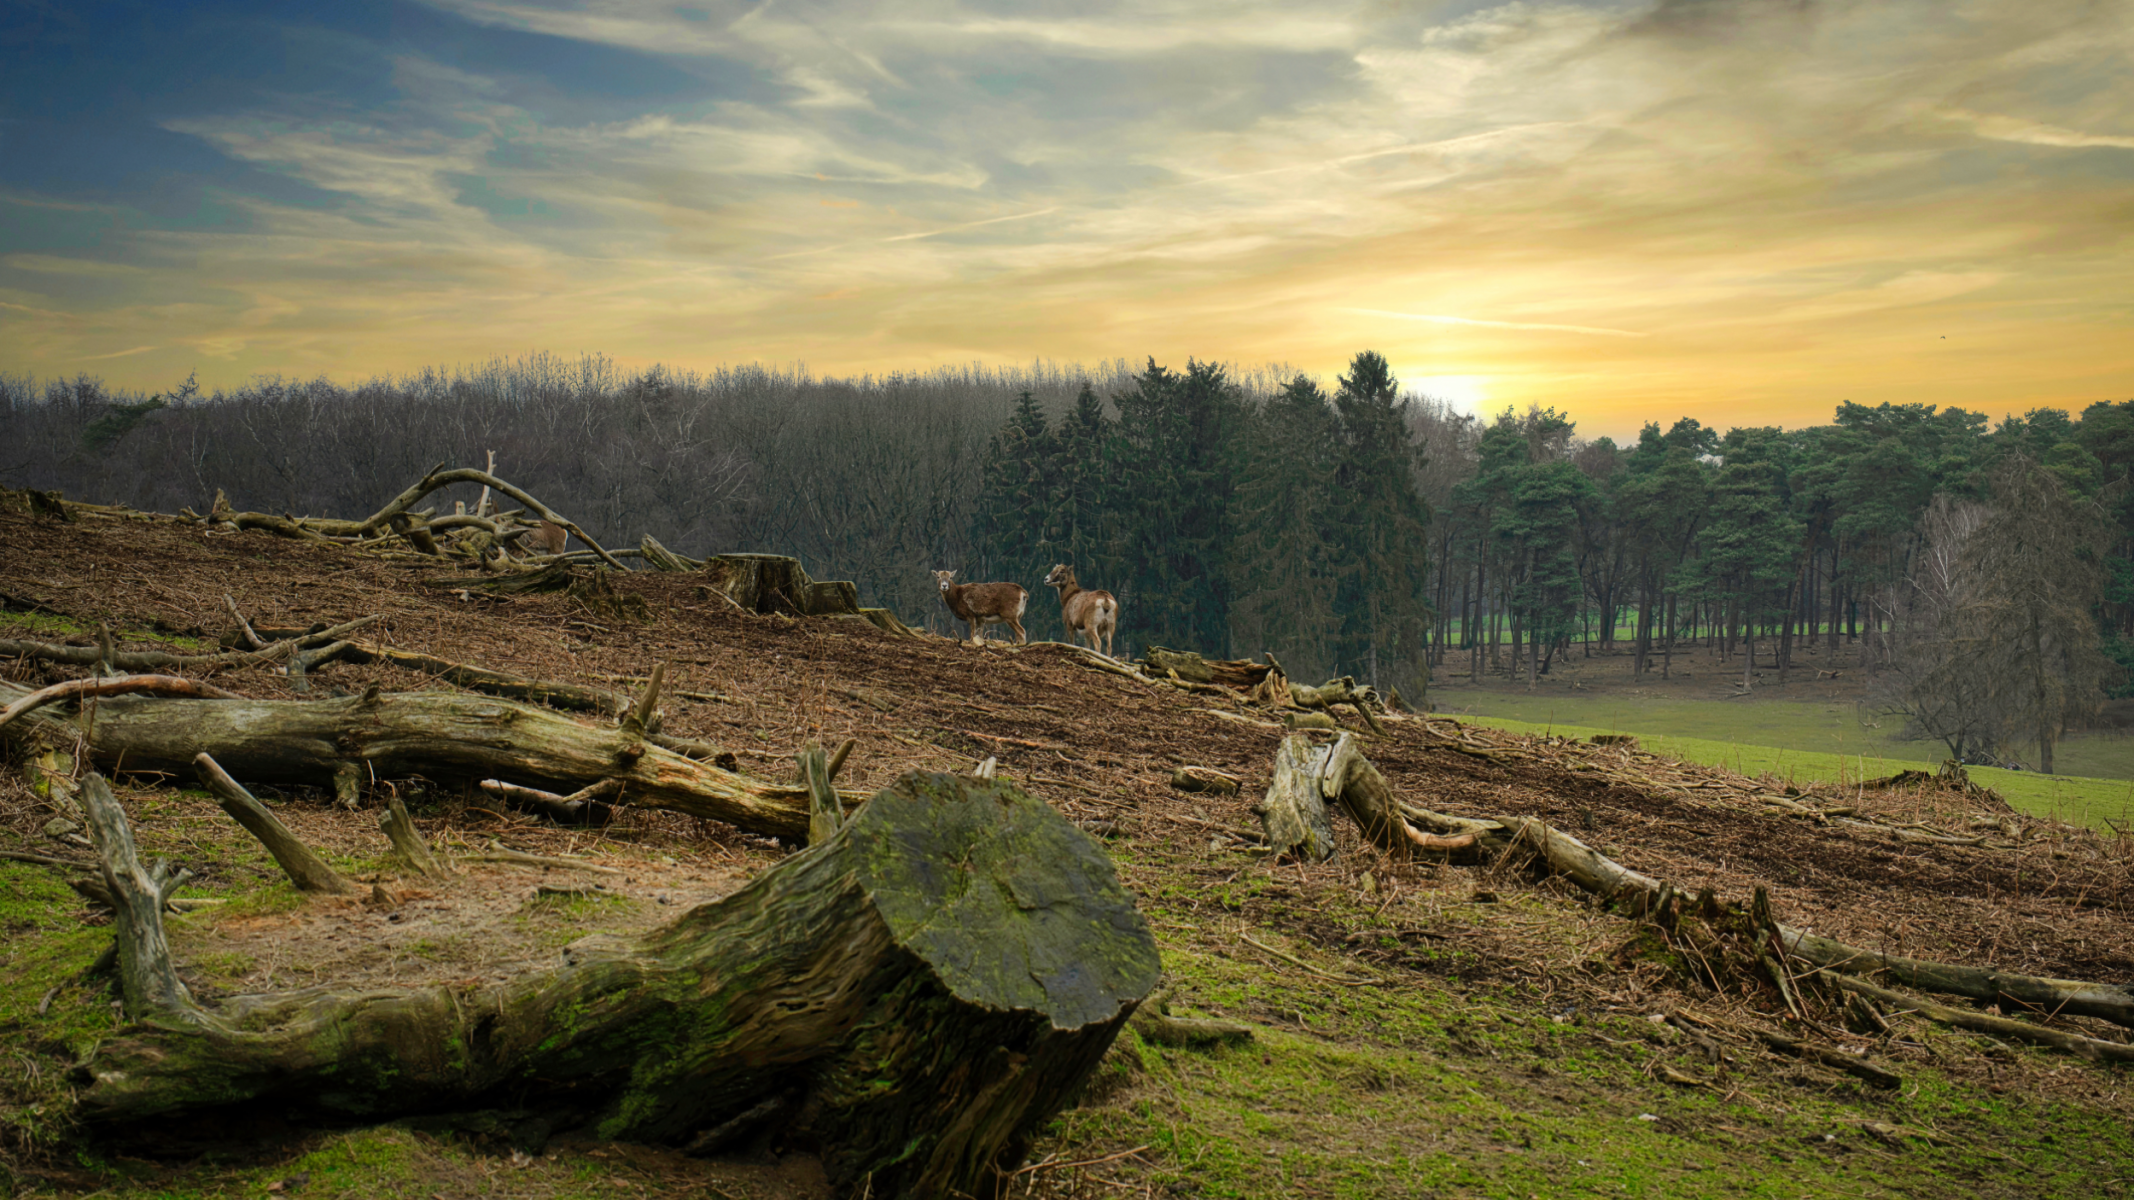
[
  {"x": 305, "y": 869},
  {"x": 444, "y": 736},
  {"x": 918, "y": 1026},
  {"x": 155, "y": 660},
  {"x": 2063, "y": 997},
  {"x": 482, "y": 679}
]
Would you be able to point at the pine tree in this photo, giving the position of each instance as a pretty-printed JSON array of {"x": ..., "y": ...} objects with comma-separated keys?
[
  {"x": 1380, "y": 529},
  {"x": 1082, "y": 488},
  {"x": 1281, "y": 516},
  {"x": 1015, "y": 501},
  {"x": 1177, "y": 435}
]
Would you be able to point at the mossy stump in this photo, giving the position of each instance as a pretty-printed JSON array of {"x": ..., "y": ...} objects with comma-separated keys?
[{"x": 911, "y": 1000}]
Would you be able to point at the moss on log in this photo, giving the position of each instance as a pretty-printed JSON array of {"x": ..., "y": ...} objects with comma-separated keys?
[{"x": 915, "y": 997}]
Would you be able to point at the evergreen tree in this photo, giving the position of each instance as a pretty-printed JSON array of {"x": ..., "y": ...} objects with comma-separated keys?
[
  {"x": 1082, "y": 490},
  {"x": 1015, "y": 502},
  {"x": 1282, "y": 514},
  {"x": 1380, "y": 535},
  {"x": 1176, "y": 439}
]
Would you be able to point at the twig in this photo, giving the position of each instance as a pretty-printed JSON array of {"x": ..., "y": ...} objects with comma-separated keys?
[{"x": 1299, "y": 963}]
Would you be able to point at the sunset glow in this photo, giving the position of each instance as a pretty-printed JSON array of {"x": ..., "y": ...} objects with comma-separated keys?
[{"x": 1741, "y": 210}]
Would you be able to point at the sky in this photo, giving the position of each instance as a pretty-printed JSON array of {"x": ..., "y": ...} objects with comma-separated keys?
[{"x": 1745, "y": 211}]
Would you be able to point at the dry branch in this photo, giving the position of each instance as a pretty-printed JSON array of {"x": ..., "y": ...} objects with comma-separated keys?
[
  {"x": 118, "y": 685},
  {"x": 305, "y": 869},
  {"x": 151, "y": 660}
]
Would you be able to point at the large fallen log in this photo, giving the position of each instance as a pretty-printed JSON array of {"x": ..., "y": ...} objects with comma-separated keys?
[
  {"x": 914, "y": 998},
  {"x": 444, "y": 736}
]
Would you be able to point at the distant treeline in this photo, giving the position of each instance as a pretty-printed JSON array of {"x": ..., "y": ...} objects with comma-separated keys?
[{"x": 1345, "y": 527}]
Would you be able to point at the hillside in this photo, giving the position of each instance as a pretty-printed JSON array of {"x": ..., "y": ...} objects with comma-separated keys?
[{"x": 1420, "y": 1028}]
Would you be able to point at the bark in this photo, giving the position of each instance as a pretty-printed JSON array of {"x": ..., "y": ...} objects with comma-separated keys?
[
  {"x": 1294, "y": 814},
  {"x": 435, "y": 480},
  {"x": 2073, "y": 1043},
  {"x": 659, "y": 558},
  {"x": 916, "y": 1025},
  {"x": 443, "y": 736}
]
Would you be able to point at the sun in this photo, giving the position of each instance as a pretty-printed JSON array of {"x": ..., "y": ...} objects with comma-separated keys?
[{"x": 1467, "y": 393}]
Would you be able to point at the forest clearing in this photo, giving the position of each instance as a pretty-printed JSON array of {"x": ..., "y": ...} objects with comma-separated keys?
[
  {"x": 1813, "y": 728},
  {"x": 1517, "y": 1014}
]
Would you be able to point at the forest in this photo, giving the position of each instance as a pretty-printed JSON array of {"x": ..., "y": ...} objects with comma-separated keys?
[{"x": 1983, "y": 573}]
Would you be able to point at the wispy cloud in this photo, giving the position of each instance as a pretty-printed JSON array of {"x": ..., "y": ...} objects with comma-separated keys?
[
  {"x": 1544, "y": 326},
  {"x": 1646, "y": 204}
]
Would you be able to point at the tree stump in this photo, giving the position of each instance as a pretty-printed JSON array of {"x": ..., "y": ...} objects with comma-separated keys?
[
  {"x": 1294, "y": 813},
  {"x": 912, "y": 1000}
]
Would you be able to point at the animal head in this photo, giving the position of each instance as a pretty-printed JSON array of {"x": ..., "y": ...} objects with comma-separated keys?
[
  {"x": 1060, "y": 573},
  {"x": 946, "y": 579}
]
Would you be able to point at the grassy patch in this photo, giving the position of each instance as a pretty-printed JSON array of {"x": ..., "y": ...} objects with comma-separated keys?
[{"x": 2079, "y": 800}]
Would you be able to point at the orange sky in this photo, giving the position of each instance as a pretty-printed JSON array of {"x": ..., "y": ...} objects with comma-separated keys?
[{"x": 1740, "y": 211}]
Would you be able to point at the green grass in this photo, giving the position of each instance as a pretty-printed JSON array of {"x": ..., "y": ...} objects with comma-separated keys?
[{"x": 2076, "y": 799}]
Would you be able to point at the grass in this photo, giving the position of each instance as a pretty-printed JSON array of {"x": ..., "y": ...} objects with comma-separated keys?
[
  {"x": 2076, "y": 799},
  {"x": 1446, "y": 1087}
]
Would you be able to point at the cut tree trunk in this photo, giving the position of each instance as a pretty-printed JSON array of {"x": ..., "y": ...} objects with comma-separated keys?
[
  {"x": 440, "y": 735},
  {"x": 916, "y": 1026},
  {"x": 774, "y": 583}
]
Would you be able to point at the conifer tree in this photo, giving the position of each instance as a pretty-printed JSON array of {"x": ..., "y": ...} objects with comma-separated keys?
[
  {"x": 1177, "y": 435},
  {"x": 1281, "y": 516},
  {"x": 1015, "y": 500},
  {"x": 1381, "y": 528}
]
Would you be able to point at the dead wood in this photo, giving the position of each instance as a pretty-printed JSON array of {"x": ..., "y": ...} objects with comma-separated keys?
[
  {"x": 398, "y": 508},
  {"x": 1241, "y": 674},
  {"x": 494, "y": 683},
  {"x": 408, "y": 844},
  {"x": 1851, "y": 1064},
  {"x": 305, "y": 869},
  {"x": 659, "y": 558},
  {"x": 775, "y": 583},
  {"x": 119, "y": 685},
  {"x": 1350, "y": 779},
  {"x": 1004, "y": 982},
  {"x": 2073, "y": 1043},
  {"x": 146, "y": 972},
  {"x": 152, "y": 660},
  {"x": 1154, "y": 1022},
  {"x": 2067, "y": 997},
  {"x": 1204, "y": 779},
  {"x": 440, "y": 735},
  {"x": 582, "y": 807},
  {"x": 1293, "y": 814}
]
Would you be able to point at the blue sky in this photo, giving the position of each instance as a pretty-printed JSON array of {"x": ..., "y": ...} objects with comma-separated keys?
[{"x": 1742, "y": 209}]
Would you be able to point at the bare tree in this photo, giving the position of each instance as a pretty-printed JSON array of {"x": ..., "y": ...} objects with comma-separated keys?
[{"x": 1997, "y": 636}]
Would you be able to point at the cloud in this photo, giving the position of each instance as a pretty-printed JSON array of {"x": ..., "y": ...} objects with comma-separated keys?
[
  {"x": 1788, "y": 191},
  {"x": 2034, "y": 133},
  {"x": 1437, "y": 319}
]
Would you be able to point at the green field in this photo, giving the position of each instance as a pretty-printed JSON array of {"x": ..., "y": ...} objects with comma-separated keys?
[{"x": 1801, "y": 741}]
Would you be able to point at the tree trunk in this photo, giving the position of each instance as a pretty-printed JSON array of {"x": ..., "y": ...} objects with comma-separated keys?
[
  {"x": 441, "y": 735},
  {"x": 914, "y": 1026}
]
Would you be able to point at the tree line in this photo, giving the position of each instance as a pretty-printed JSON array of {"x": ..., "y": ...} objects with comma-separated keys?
[{"x": 1349, "y": 529}]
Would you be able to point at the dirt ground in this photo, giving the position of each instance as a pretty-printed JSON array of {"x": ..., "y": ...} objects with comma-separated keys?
[{"x": 1100, "y": 748}]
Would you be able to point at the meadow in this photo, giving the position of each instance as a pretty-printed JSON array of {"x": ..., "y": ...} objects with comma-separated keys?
[{"x": 1811, "y": 738}]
